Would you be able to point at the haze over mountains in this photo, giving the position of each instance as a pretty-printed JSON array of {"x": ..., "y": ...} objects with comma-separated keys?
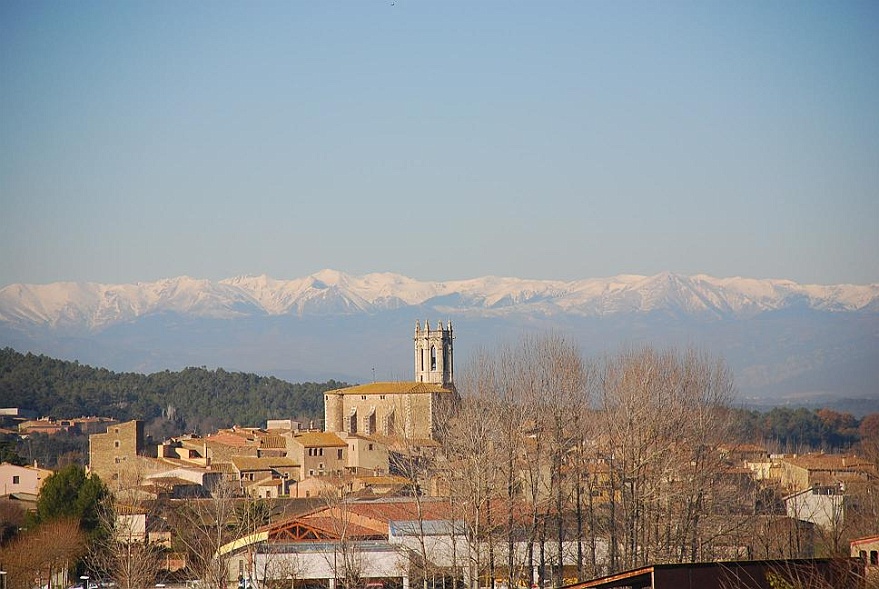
[{"x": 782, "y": 339}]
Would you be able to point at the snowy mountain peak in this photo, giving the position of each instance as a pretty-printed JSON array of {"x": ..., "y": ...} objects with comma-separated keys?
[{"x": 95, "y": 306}]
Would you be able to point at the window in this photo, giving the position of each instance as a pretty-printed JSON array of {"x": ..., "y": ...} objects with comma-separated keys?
[
  {"x": 433, "y": 357},
  {"x": 320, "y": 452},
  {"x": 370, "y": 447},
  {"x": 874, "y": 557},
  {"x": 362, "y": 397},
  {"x": 339, "y": 452},
  {"x": 16, "y": 479},
  {"x": 116, "y": 444},
  {"x": 382, "y": 397}
]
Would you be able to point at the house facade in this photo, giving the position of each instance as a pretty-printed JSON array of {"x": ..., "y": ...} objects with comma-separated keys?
[
  {"x": 21, "y": 479},
  {"x": 318, "y": 453}
]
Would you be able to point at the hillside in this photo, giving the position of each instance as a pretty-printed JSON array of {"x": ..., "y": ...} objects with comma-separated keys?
[{"x": 193, "y": 399}]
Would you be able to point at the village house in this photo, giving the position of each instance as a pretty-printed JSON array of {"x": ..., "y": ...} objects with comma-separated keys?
[
  {"x": 21, "y": 479},
  {"x": 366, "y": 455},
  {"x": 822, "y": 505},
  {"x": 318, "y": 453},
  {"x": 799, "y": 473},
  {"x": 867, "y": 549},
  {"x": 266, "y": 477}
]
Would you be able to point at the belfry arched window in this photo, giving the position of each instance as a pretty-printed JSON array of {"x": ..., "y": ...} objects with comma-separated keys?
[{"x": 432, "y": 358}]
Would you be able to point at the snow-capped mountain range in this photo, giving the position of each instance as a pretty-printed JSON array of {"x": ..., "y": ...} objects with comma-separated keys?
[
  {"x": 94, "y": 306},
  {"x": 779, "y": 338}
]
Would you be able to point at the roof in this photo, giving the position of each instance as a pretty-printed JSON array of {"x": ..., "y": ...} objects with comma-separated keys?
[
  {"x": 387, "y": 479},
  {"x": 320, "y": 439},
  {"x": 867, "y": 540},
  {"x": 849, "y": 462},
  {"x": 266, "y": 482},
  {"x": 272, "y": 441},
  {"x": 262, "y": 463},
  {"x": 745, "y": 574},
  {"x": 228, "y": 439},
  {"x": 391, "y": 388}
]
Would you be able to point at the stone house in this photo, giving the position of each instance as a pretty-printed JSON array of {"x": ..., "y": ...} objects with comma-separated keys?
[
  {"x": 113, "y": 455},
  {"x": 318, "y": 453},
  {"x": 366, "y": 456}
]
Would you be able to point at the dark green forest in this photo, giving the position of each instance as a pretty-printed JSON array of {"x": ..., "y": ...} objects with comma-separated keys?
[{"x": 194, "y": 400}]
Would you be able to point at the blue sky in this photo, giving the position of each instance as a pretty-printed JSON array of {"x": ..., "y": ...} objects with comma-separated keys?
[{"x": 441, "y": 140}]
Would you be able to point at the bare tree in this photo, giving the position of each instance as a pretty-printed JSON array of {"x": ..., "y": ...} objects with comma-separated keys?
[
  {"x": 125, "y": 553},
  {"x": 204, "y": 526},
  {"x": 663, "y": 416},
  {"x": 469, "y": 446},
  {"x": 52, "y": 549},
  {"x": 347, "y": 559}
]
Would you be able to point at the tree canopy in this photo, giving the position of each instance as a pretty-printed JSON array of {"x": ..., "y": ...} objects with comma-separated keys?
[
  {"x": 193, "y": 399},
  {"x": 69, "y": 493}
]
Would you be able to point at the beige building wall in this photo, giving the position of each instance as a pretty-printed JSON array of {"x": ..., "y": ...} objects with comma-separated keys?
[
  {"x": 399, "y": 409},
  {"x": 113, "y": 455},
  {"x": 366, "y": 454},
  {"x": 318, "y": 453},
  {"x": 21, "y": 479}
]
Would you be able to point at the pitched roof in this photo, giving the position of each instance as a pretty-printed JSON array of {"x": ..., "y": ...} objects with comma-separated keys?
[
  {"x": 320, "y": 439},
  {"x": 391, "y": 388},
  {"x": 849, "y": 462},
  {"x": 228, "y": 439},
  {"x": 262, "y": 463}
]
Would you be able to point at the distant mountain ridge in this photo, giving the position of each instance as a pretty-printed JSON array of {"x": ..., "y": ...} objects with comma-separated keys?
[
  {"x": 782, "y": 340},
  {"x": 93, "y": 306}
]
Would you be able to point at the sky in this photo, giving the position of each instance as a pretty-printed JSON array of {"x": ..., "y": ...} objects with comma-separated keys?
[{"x": 439, "y": 140}]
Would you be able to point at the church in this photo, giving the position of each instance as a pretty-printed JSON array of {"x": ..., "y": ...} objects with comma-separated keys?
[{"x": 400, "y": 409}]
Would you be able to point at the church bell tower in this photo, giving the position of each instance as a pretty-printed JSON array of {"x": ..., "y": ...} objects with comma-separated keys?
[{"x": 433, "y": 354}]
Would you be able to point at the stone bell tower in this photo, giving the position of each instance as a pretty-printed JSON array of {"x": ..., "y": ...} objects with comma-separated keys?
[{"x": 433, "y": 354}]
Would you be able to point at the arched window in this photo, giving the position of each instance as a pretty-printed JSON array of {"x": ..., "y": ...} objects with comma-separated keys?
[
  {"x": 352, "y": 422},
  {"x": 432, "y": 358}
]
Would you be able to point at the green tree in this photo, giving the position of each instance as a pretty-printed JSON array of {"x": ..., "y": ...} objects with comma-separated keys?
[{"x": 69, "y": 493}]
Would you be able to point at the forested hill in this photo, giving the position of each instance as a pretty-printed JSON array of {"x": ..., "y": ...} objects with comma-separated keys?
[{"x": 193, "y": 399}]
